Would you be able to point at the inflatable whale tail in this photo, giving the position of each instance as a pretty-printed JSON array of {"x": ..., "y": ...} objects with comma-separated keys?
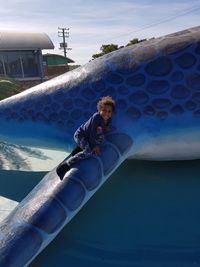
[{"x": 32, "y": 225}]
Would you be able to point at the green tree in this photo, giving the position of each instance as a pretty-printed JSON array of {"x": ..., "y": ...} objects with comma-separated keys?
[
  {"x": 135, "y": 41},
  {"x": 105, "y": 49}
]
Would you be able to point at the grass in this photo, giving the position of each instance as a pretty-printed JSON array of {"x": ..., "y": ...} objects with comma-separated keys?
[{"x": 9, "y": 87}]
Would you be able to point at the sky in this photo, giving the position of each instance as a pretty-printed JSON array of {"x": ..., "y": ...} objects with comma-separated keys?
[{"x": 92, "y": 23}]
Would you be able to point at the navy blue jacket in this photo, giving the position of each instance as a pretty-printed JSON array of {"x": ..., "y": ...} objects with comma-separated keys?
[{"x": 93, "y": 130}]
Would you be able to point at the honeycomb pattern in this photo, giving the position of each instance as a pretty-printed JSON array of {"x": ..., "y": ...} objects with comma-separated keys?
[{"x": 158, "y": 78}]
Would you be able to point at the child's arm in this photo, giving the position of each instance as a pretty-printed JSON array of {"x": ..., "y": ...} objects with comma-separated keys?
[
  {"x": 93, "y": 133},
  {"x": 96, "y": 150},
  {"x": 107, "y": 128}
]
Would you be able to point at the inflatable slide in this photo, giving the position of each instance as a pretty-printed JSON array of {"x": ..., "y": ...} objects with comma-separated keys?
[{"x": 156, "y": 85}]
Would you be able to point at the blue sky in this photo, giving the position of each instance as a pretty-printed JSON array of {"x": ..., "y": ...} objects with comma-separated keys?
[{"x": 96, "y": 22}]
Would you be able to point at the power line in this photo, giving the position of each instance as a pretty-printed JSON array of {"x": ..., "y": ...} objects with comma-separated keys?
[{"x": 160, "y": 22}]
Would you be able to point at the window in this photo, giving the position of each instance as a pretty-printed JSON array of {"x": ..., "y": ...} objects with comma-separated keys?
[
  {"x": 1, "y": 66},
  {"x": 30, "y": 63},
  {"x": 19, "y": 64},
  {"x": 12, "y": 64}
]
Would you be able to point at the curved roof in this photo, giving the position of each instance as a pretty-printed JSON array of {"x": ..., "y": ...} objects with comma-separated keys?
[
  {"x": 24, "y": 41},
  {"x": 54, "y": 59}
]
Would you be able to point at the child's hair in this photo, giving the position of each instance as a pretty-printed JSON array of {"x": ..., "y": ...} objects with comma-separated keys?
[{"x": 106, "y": 101}]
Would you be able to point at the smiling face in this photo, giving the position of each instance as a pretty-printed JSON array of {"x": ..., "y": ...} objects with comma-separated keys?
[{"x": 106, "y": 112}]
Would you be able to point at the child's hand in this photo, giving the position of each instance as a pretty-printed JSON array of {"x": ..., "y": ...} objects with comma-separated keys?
[{"x": 96, "y": 150}]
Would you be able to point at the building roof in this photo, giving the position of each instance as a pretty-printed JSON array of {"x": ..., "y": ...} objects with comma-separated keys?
[
  {"x": 55, "y": 60},
  {"x": 24, "y": 41}
]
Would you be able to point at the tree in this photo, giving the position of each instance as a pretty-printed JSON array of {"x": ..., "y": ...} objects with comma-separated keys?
[
  {"x": 135, "y": 41},
  {"x": 105, "y": 49}
]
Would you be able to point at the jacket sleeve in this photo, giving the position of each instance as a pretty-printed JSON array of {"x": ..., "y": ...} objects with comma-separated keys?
[{"x": 93, "y": 132}]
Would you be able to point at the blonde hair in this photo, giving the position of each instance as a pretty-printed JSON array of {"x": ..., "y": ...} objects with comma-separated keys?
[{"x": 106, "y": 101}]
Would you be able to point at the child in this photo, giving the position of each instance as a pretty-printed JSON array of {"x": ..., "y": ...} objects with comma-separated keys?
[{"x": 90, "y": 135}]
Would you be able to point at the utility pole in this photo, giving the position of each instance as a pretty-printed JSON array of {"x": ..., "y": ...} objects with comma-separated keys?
[{"x": 64, "y": 33}]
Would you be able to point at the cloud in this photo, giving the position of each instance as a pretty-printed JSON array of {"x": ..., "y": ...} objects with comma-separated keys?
[{"x": 93, "y": 23}]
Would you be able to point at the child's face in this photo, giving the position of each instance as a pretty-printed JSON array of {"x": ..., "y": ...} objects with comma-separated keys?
[{"x": 106, "y": 112}]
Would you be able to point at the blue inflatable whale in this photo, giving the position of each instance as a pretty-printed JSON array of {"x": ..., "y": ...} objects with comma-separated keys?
[{"x": 156, "y": 85}]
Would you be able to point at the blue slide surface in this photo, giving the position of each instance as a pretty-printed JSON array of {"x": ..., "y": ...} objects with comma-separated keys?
[{"x": 53, "y": 203}]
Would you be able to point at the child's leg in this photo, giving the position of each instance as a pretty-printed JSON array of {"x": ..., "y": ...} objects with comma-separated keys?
[
  {"x": 76, "y": 150},
  {"x": 85, "y": 153},
  {"x": 63, "y": 167},
  {"x": 75, "y": 156}
]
